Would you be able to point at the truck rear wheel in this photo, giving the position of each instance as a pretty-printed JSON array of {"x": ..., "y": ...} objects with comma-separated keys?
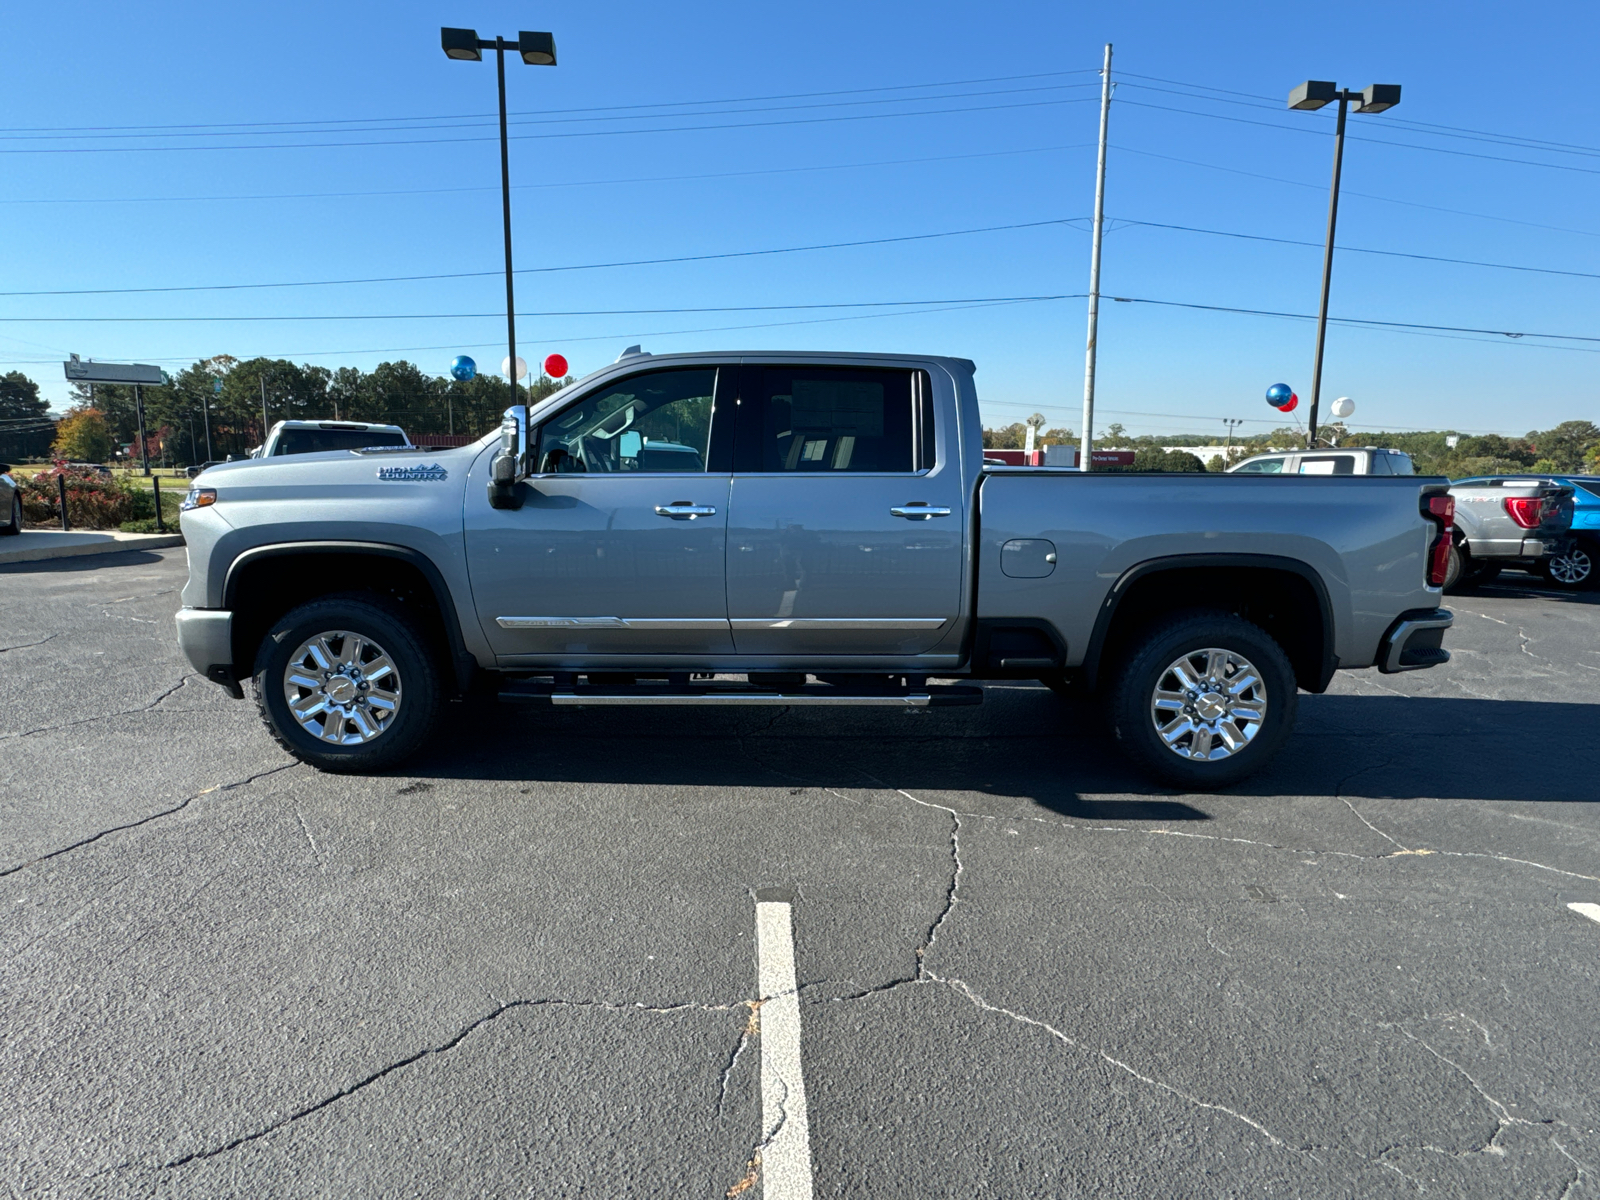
[
  {"x": 347, "y": 684},
  {"x": 1203, "y": 700}
]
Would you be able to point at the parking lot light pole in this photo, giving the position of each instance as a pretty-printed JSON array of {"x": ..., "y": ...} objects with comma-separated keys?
[
  {"x": 1308, "y": 97},
  {"x": 537, "y": 50}
]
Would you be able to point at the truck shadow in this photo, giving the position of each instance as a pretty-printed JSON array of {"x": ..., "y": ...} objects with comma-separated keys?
[{"x": 1024, "y": 743}]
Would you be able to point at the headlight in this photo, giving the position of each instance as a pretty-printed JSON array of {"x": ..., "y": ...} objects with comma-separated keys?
[{"x": 199, "y": 497}]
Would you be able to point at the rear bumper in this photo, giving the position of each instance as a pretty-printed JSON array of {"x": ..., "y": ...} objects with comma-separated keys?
[
  {"x": 205, "y": 635},
  {"x": 1413, "y": 642}
]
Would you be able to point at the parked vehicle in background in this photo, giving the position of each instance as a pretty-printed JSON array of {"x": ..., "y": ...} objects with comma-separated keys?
[
  {"x": 1362, "y": 460},
  {"x": 810, "y": 523},
  {"x": 10, "y": 502},
  {"x": 1575, "y": 563},
  {"x": 1507, "y": 521},
  {"x": 316, "y": 437}
]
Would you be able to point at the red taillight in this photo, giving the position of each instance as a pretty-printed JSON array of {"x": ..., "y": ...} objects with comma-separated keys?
[
  {"x": 1527, "y": 511},
  {"x": 1442, "y": 511}
]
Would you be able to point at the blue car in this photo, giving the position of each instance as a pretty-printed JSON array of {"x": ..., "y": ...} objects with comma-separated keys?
[{"x": 1577, "y": 564}]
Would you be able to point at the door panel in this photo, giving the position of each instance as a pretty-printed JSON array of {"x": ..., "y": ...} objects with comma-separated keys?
[
  {"x": 620, "y": 547},
  {"x": 819, "y": 562}
]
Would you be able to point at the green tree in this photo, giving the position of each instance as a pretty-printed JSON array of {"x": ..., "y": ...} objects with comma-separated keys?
[
  {"x": 26, "y": 429},
  {"x": 83, "y": 436}
]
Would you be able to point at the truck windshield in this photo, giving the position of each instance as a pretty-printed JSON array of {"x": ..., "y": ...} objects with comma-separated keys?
[{"x": 313, "y": 441}]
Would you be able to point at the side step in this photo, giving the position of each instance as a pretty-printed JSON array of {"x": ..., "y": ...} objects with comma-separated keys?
[{"x": 929, "y": 696}]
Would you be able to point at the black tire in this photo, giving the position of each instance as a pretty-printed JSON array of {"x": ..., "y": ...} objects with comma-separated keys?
[
  {"x": 1147, "y": 663},
  {"x": 1463, "y": 572},
  {"x": 1577, "y": 568},
  {"x": 13, "y": 526},
  {"x": 417, "y": 700}
]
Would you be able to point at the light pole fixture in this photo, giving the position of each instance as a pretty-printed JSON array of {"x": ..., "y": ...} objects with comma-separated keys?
[
  {"x": 1308, "y": 97},
  {"x": 537, "y": 50}
]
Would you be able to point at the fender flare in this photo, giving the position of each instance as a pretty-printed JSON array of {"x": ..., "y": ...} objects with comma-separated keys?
[
  {"x": 1177, "y": 562},
  {"x": 462, "y": 660}
]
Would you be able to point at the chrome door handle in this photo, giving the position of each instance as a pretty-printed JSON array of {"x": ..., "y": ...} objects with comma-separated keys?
[
  {"x": 918, "y": 512},
  {"x": 684, "y": 508}
]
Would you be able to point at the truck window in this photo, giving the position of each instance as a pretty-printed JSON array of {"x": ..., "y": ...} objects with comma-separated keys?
[
  {"x": 316, "y": 441},
  {"x": 1262, "y": 466},
  {"x": 1401, "y": 464},
  {"x": 1328, "y": 464},
  {"x": 831, "y": 419},
  {"x": 1380, "y": 463},
  {"x": 656, "y": 422}
]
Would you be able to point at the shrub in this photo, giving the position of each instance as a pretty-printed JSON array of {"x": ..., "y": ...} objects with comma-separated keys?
[{"x": 93, "y": 501}]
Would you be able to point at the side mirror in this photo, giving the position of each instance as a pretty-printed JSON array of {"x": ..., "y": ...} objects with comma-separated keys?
[{"x": 509, "y": 465}]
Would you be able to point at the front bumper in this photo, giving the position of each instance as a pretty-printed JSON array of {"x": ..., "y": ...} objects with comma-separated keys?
[
  {"x": 205, "y": 635},
  {"x": 1413, "y": 642}
]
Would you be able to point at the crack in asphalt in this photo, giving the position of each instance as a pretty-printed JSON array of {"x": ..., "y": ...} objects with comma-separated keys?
[
  {"x": 166, "y": 812},
  {"x": 751, "y": 1029},
  {"x": 183, "y": 682},
  {"x": 28, "y": 645},
  {"x": 1502, "y": 1116},
  {"x": 444, "y": 1047}
]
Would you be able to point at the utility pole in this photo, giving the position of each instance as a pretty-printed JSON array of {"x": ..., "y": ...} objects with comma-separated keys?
[
  {"x": 1231, "y": 423},
  {"x": 1085, "y": 453},
  {"x": 144, "y": 445},
  {"x": 263, "y": 409},
  {"x": 205, "y": 408}
]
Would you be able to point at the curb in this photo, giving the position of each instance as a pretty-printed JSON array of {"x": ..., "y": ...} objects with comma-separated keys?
[{"x": 34, "y": 545}]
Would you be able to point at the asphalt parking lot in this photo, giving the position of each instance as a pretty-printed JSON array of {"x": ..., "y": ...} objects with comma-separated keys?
[{"x": 528, "y": 966}]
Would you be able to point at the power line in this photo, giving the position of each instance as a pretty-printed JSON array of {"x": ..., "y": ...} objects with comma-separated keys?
[
  {"x": 1526, "y": 162},
  {"x": 605, "y": 108},
  {"x": 521, "y": 187},
  {"x": 541, "y": 118},
  {"x": 1258, "y": 237},
  {"x": 1270, "y": 102},
  {"x": 1323, "y": 188},
  {"x": 1358, "y": 321},
  {"x": 932, "y": 112},
  {"x": 640, "y": 262},
  {"x": 625, "y": 336},
  {"x": 590, "y": 312}
]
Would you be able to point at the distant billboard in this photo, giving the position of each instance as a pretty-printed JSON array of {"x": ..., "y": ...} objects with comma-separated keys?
[{"x": 79, "y": 371}]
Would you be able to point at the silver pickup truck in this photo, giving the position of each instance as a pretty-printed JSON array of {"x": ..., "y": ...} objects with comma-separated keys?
[
  {"x": 1506, "y": 521},
  {"x": 794, "y": 529}
]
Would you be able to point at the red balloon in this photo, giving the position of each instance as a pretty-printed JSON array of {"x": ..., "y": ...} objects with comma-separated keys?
[
  {"x": 556, "y": 367},
  {"x": 1294, "y": 402}
]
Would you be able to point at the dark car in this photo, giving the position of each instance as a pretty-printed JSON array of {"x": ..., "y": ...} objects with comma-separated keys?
[{"x": 10, "y": 502}]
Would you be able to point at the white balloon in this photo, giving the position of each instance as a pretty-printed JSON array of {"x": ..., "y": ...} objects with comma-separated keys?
[
  {"x": 1343, "y": 406},
  {"x": 522, "y": 366}
]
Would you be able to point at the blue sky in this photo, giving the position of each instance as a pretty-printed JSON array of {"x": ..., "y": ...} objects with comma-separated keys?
[{"x": 986, "y": 117}]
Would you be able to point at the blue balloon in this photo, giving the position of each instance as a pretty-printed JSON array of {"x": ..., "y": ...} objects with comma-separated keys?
[
  {"x": 1278, "y": 394},
  {"x": 463, "y": 368}
]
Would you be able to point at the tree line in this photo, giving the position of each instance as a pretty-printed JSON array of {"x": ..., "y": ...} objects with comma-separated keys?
[{"x": 178, "y": 414}]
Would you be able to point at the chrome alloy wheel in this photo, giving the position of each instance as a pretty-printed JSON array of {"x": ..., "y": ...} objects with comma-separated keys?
[
  {"x": 1572, "y": 568},
  {"x": 1209, "y": 704},
  {"x": 342, "y": 688}
]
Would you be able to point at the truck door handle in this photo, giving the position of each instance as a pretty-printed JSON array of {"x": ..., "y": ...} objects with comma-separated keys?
[
  {"x": 685, "y": 508},
  {"x": 918, "y": 512}
]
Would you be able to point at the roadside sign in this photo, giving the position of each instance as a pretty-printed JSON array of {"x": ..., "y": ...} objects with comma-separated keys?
[{"x": 80, "y": 371}]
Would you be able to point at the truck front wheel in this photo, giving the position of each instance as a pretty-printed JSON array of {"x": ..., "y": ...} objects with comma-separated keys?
[
  {"x": 346, "y": 684},
  {"x": 1203, "y": 700}
]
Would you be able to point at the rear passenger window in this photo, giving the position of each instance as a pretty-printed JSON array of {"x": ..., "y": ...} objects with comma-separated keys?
[
  {"x": 824, "y": 419},
  {"x": 1328, "y": 464}
]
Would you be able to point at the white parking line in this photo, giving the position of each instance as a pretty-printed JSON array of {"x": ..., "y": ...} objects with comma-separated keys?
[
  {"x": 785, "y": 1128},
  {"x": 1592, "y": 911}
]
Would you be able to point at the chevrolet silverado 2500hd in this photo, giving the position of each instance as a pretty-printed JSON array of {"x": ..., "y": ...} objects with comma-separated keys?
[{"x": 822, "y": 529}]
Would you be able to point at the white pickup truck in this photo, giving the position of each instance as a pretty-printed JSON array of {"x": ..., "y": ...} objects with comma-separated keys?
[{"x": 822, "y": 529}]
